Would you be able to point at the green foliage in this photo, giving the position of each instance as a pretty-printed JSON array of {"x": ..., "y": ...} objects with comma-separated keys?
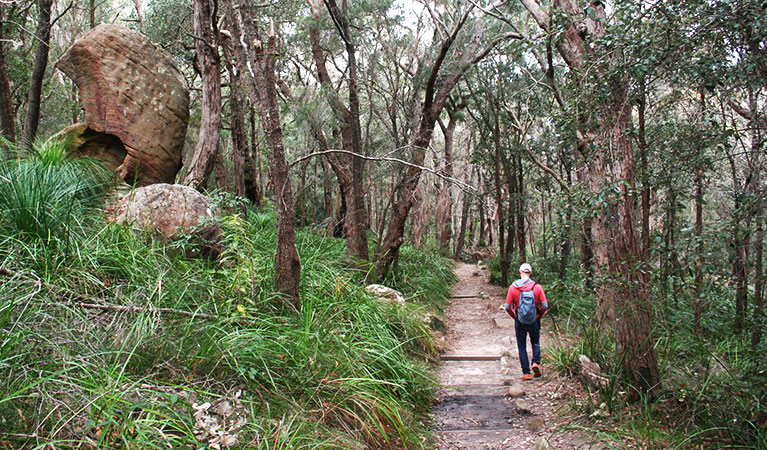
[
  {"x": 713, "y": 385},
  {"x": 49, "y": 197},
  {"x": 339, "y": 373}
]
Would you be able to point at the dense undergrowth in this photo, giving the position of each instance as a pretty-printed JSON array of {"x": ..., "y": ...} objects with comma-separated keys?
[
  {"x": 714, "y": 385},
  {"x": 110, "y": 340}
]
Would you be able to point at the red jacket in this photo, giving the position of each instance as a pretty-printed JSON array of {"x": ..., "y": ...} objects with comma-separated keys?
[{"x": 512, "y": 298}]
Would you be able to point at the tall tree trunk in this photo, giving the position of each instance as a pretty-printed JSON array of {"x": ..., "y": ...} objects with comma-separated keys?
[
  {"x": 698, "y": 250},
  {"x": 566, "y": 238},
  {"x": 253, "y": 181},
  {"x": 482, "y": 222},
  {"x": 206, "y": 46},
  {"x": 243, "y": 170},
  {"x": 43, "y": 38},
  {"x": 499, "y": 202},
  {"x": 520, "y": 211},
  {"x": 91, "y": 14},
  {"x": 756, "y": 336},
  {"x": 642, "y": 140},
  {"x": 350, "y": 168},
  {"x": 443, "y": 216},
  {"x": 617, "y": 257},
  {"x": 698, "y": 287},
  {"x": 461, "y": 239},
  {"x": 327, "y": 187},
  {"x": 258, "y": 59},
  {"x": 7, "y": 116},
  {"x": 220, "y": 171}
]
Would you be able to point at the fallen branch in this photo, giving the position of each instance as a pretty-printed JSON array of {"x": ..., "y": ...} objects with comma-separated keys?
[
  {"x": 110, "y": 307},
  {"x": 86, "y": 302}
]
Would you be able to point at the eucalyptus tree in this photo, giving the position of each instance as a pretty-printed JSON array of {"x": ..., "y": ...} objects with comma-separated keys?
[
  {"x": 209, "y": 61},
  {"x": 42, "y": 38},
  {"x": 255, "y": 54},
  {"x": 454, "y": 50},
  {"x": 588, "y": 44},
  {"x": 349, "y": 167}
]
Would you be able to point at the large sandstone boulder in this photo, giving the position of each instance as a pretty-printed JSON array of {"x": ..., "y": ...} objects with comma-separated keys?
[
  {"x": 135, "y": 101},
  {"x": 175, "y": 212}
]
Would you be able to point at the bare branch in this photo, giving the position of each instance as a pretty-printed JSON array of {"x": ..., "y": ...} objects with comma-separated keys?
[{"x": 459, "y": 183}]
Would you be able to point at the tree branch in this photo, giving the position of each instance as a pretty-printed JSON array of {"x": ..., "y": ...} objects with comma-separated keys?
[{"x": 461, "y": 184}]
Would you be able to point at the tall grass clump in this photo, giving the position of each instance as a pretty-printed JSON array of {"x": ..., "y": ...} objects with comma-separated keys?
[
  {"x": 123, "y": 344},
  {"x": 48, "y": 197}
]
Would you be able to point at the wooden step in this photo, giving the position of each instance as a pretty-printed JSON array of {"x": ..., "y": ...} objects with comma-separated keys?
[{"x": 470, "y": 357}]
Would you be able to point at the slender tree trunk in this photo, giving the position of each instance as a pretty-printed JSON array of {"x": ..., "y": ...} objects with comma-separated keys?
[
  {"x": 567, "y": 233},
  {"x": 445, "y": 203},
  {"x": 327, "y": 187},
  {"x": 43, "y": 38},
  {"x": 140, "y": 14},
  {"x": 461, "y": 239},
  {"x": 420, "y": 220},
  {"x": 756, "y": 336},
  {"x": 258, "y": 60},
  {"x": 520, "y": 211},
  {"x": 698, "y": 288},
  {"x": 7, "y": 116},
  {"x": 350, "y": 169},
  {"x": 253, "y": 180},
  {"x": 698, "y": 250},
  {"x": 499, "y": 202},
  {"x": 206, "y": 46},
  {"x": 482, "y": 223},
  {"x": 91, "y": 14},
  {"x": 243, "y": 170},
  {"x": 645, "y": 175}
]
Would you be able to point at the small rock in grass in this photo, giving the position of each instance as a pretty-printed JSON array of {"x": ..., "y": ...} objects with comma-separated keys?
[
  {"x": 516, "y": 390},
  {"x": 542, "y": 444},
  {"x": 536, "y": 424},
  {"x": 522, "y": 407}
]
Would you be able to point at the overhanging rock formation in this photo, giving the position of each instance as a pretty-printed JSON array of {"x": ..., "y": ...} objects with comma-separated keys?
[{"x": 136, "y": 104}]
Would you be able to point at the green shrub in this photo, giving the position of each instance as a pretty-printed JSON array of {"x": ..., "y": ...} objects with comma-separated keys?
[
  {"x": 339, "y": 372},
  {"x": 47, "y": 197}
]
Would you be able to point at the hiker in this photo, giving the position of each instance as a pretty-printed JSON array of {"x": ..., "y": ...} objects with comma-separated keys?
[{"x": 526, "y": 303}]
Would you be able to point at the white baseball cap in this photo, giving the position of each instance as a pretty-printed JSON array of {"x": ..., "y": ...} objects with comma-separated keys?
[{"x": 525, "y": 268}]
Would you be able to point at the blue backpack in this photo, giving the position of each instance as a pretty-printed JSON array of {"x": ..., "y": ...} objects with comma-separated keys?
[{"x": 526, "y": 312}]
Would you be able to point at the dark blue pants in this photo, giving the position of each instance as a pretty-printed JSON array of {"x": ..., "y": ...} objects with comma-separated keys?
[{"x": 522, "y": 331}]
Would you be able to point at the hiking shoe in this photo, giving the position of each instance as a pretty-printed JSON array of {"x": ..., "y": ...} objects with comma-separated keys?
[
  {"x": 527, "y": 377},
  {"x": 536, "y": 370}
]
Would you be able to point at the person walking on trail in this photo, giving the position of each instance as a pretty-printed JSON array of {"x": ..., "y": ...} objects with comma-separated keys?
[{"x": 526, "y": 303}]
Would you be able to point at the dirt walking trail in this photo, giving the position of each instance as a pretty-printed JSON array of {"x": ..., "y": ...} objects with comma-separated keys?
[{"x": 480, "y": 364}]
